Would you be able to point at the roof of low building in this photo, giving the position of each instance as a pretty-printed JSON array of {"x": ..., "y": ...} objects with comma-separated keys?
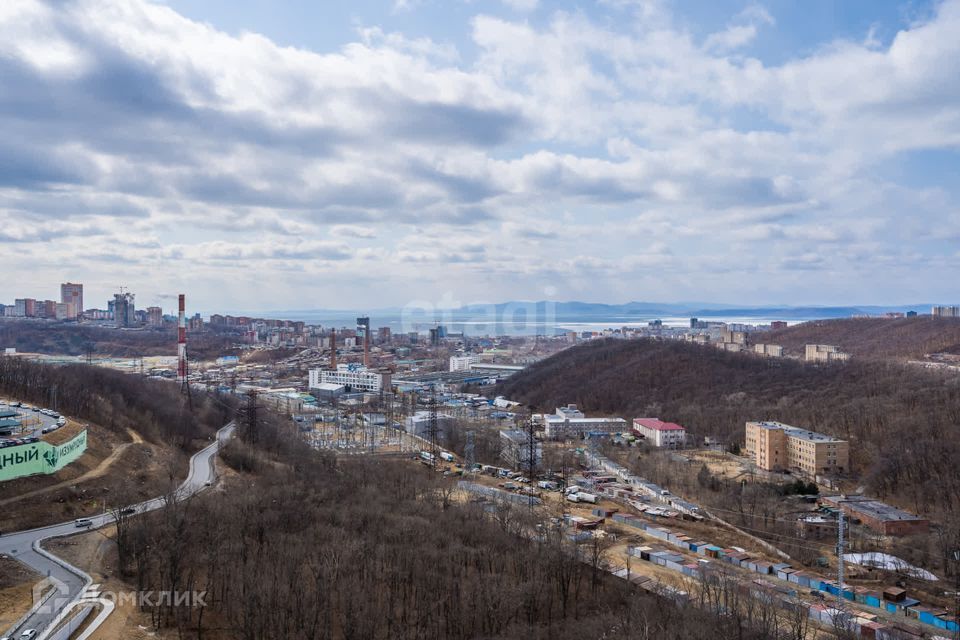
[{"x": 657, "y": 424}]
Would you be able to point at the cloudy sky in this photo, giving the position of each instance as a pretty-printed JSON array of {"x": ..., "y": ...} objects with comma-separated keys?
[{"x": 261, "y": 155}]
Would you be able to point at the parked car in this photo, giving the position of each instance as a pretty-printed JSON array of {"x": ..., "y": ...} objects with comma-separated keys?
[{"x": 28, "y": 634}]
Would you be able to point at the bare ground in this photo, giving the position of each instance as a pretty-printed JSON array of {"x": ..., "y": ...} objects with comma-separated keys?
[
  {"x": 16, "y": 590},
  {"x": 114, "y": 468}
]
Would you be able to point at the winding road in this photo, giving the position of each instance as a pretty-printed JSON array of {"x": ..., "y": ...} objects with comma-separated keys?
[{"x": 24, "y": 546}]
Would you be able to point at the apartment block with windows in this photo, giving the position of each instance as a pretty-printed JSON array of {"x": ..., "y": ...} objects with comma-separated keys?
[{"x": 777, "y": 447}]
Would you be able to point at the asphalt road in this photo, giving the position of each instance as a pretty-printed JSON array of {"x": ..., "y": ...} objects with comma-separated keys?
[{"x": 19, "y": 545}]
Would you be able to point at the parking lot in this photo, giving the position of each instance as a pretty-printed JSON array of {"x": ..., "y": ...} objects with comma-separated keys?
[{"x": 33, "y": 422}]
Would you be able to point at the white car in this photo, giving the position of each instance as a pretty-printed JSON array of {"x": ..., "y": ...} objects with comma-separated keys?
[{"x": 29, "y": 633}]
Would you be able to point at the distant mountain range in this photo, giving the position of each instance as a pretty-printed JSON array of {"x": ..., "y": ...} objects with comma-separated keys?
[{"x": 595, "y": 310}]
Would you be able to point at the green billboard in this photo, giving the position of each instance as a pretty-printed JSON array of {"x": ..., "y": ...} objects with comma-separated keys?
[{"x": 40, "y": 457}]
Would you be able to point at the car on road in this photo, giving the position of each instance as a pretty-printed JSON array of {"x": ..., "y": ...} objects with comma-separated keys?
[
  {"x": 81, "y": 523},
  {"x": 126, "y": 511},
  {"x": 29, "y": 633}
]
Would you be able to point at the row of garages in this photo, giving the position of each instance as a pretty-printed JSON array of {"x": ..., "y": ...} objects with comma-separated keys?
[
  {"x": 892, "y": 601},
  {"x": 785, "y": 597}
]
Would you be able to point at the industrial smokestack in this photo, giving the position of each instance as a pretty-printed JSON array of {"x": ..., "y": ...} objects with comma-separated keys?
[
  {"x": 182, "y": 342},
  {"x": 366, "y": 347},
  {"x": 333, "y": 348},
  {"x": 363, "y": 325}
]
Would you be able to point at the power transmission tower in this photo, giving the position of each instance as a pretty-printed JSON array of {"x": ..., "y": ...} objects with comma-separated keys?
[
  {"x": 433, "y": 427},
  {"x": 531, "y": 460},
  {"x": 250, "y": 419},
  {"x": 469, "y": 452}
]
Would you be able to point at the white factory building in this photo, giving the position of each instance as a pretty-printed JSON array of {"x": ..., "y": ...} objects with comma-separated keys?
[
  {"x": 352, "y": 376},
  {"x": 419, "y": 424},
  {"x": 569, "y": 422}
]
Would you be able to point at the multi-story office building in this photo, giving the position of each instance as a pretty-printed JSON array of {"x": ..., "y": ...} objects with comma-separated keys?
[
  {"x": 72, "y": 293},
  {"x": 659, "y": 433},
  {"x": 776, "y": 447},
  {"x": 352, "y": 376}
]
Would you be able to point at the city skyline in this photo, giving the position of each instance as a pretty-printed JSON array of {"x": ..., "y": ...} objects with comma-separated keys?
[{"x": 334, "y": 158}]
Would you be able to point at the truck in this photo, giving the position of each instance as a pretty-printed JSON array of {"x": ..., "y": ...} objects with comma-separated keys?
[
  {"x": 587, "y": 497},
  {"x": 547, "y": 485},
  {"x": 573, "y": 497},
  {"x": 447, "y": 456},
  {"x": 426, "y": 457}
]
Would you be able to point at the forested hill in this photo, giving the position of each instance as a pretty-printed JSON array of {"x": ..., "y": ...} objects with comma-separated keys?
[
  {"x": 879, "y": 406},
  {"x": 30, "y": 336},
  {"x": 874, "y": 337}
]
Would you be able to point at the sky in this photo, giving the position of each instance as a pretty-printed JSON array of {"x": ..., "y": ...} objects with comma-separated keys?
[{"x": 298, "y": 154}]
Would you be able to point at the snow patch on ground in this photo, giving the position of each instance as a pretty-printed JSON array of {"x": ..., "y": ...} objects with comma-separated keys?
[{"x": 891, "y": 563}]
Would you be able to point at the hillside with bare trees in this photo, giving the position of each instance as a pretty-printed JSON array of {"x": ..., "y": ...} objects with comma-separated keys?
[
  {"x": 32, "y": 336},
  {"x": 311, "y": 546},
  {"x": 902, "y": 421},
  {"x": 873, "y": 337},
  {"x": 116, "y": 401}
]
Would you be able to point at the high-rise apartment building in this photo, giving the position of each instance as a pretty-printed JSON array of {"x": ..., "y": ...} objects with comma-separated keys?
[
  {"x": 25, "y": 307},
  {"x": 775, "y": 447},
  {"x": 72, "y": 293},
  {"x": 945, "y": 312},
  {"x": 124, "y": 314},
  {"x": 154, "y": 316}
]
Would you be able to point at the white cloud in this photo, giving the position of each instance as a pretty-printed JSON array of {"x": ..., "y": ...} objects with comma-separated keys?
[
  {"x": 524, "y": 6},
  {"x": 135, "y": 134}
]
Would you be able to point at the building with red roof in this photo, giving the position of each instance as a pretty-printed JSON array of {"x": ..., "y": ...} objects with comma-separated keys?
[{"x": 660, "y": 433}]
